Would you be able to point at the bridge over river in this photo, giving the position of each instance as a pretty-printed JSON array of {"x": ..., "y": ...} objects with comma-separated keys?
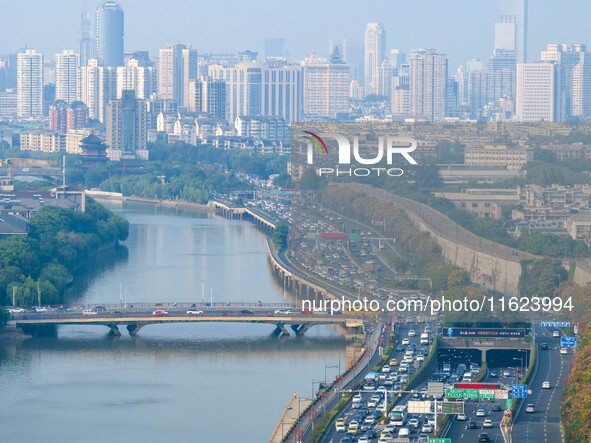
[{"x": 137, "y": 315}]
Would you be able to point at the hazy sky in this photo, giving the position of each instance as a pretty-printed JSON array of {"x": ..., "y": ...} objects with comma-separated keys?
[{"x": 462, "y": 29}]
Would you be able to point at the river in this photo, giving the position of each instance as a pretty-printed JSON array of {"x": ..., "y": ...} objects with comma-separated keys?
[{"x": 177, "y": 382}]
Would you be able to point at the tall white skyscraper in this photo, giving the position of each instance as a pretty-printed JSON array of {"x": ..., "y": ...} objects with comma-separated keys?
[
  {"x": 428, "y": 84},
  {"x": 537, "y": 92},
  {"x": 375, "y": 51},
  {"x": 85, "y": 40},
  {"x": 109, "y": 33},
  {"x": 66, "y": 76},
  {"x": 511, "y": 29},
  {"x": 574, "y": 68},
  {"x": 177, "y": 66},
  {"x": 137, "y": 78},
  {"x": 29, "y": 79},
  {"x": 326, "y": 86},
  {"x": 98, "y": 85}
]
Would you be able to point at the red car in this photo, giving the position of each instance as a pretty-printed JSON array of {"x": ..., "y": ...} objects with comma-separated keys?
[{"x": 159, "y": 313}]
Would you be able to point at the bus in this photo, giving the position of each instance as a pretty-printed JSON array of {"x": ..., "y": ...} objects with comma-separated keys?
[
  {"x": 371, "y": 380},
  {"x": 398, "y": 415}
]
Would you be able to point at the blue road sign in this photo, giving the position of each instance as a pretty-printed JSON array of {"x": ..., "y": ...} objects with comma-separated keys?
[
  {"x": 519, "y": 391},
  {"x": 568, "y": 342}
]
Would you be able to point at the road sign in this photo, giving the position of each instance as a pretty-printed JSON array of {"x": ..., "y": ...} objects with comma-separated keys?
[
  {"x": 568, "y": 342},
  {"x": 353, "y": 237},
  {"x": 519, "y": 391},
  {"x": 454, "y": 393},
  {"x": 508, "y": 413},
  {"x": 452, "y": 407},
  {"x": 435, "y": 389},
  {"x": 439, "y": 440},
  {"x": 419, "y": 407},
  {"x": 486, "y": 393},
  {"x": 508, "y": 404},
  {"x": 530, "y": 392},
  {"x": 501, "y": 394},
  {"x": 484, "y": 332}
]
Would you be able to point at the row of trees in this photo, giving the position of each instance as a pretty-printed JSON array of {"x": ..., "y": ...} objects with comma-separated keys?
[{"x": 58, "y": 241}]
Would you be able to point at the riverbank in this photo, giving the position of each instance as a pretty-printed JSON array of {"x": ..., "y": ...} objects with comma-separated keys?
[
  {"x": 179, "y": 204},
  {"x": 12, "y": 333}
]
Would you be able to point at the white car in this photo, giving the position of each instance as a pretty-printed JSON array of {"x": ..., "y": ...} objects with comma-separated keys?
[
  {"x": 563, "y": 350},
  {"x": 40, "y": 309},
  {"x": 363, "y": 439},
  {"x": 414, "y": 422},
  {"x": 546, "y": 385},
  {"x": 556, "y": 334},
  {"x": 480, "y": 413},
  {"x": 405, "y": 341},
  {"x": 487, "y": 423},
  {"x": 88, "y": 312},
  {"x": 15, "y": 310},
  {"x": 412, "y": 333},
  {"x": 427, "y": 428},
  {"x": 194, "y": 312},
  {"x": 283, "y": 312},
  {"x": 340, "y": 427},
  {"x": 461, "y": 417},
  {"x": 386, "y": 368}
]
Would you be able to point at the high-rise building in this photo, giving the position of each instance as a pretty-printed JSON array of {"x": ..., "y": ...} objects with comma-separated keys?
[
  {"x": 127, "y": 123},
  {"x": 7, "y": 72},
  {"x": 574, "y": 68},
  {"x": 486, "y": 86},
  {"x": 98, "y": 85},
  {"x": 65, "y": 117},
  {"x": 177, "y": 66},
  {"x": 66, "y": 75},
  {"x": 537, "y": 92},
  {"x": 30, "y": 83},
  {"x": 109, "y": 33},
  {"x": 375, "y": 51},
  {"x": 135, "y": 77},
  {"x": 428, "y": 84},
  {"x": 275, "y": 47},
  {"x": 208, "y": 97},
  {"x": 382, "y": 79},
  {"x": 511, "y": 29},
  {"x": 326, "y": 86},
  {"x": 158, "y": 105},
  {"x": 255, "y": 89},
  {"x": 85, "y": 40}
]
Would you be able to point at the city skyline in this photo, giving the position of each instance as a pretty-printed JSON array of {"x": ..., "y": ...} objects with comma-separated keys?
[{"x": 472, "y": 36}]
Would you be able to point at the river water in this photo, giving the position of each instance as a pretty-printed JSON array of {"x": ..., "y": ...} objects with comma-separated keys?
[{"x": 171, "y": 383}]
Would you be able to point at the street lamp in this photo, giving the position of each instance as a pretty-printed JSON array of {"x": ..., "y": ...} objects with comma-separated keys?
[{"x": 329, "y": 366}]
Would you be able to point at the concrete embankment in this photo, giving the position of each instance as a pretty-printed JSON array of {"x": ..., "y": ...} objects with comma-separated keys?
[{"x": 179, "y": 204}]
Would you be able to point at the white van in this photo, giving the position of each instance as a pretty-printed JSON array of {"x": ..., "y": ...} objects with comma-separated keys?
[
  {"x": 88, "y": 312},
  {"x": 424, "y": 338}
]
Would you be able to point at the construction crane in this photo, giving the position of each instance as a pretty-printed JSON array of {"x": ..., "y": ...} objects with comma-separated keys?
[{"x": 21, "y": 162}]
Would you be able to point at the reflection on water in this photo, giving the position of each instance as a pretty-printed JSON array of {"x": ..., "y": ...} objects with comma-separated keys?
[{"x": 177, "y": 382}]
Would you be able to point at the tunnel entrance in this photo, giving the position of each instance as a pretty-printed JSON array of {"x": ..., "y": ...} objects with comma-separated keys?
[
  {"x": 507, "y": 358},
  {"x": 454, "y": 357}
]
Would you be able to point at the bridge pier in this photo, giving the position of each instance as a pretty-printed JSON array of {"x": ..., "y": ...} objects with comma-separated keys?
[
  {"x": 114, "y": 330},
  {"x": 280, "y": 329},
  {"x": 300, "y": 330},
  {"x": 134, "y": 329}
]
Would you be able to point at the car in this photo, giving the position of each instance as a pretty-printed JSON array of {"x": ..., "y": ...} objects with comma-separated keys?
[
  {"x": 88, "y": 312},
  {"x": 493, "y": 374},
  {"x": 282, "y": 312},
  {"x": 420, "y": 358},
  {"x": 246, "y": 312},
  {"x": 390, "y": 428},
  {"x": 546, "y": 385},
  {"x": 506, "y": 373},
  {"x": 483, "y": 438},
  {"x": 340, "y": 427},
  {"x": 159, "y": 313},
  {"x": 363, "y": 439},
  {"x": 414, "y": 422},
  {"x": 386, "y": 368},
  {"x": 556, "y": 334},
  {"x": 497, "y": 407},
  {"x": 544, "y": 346},
  {"x": 412, "y": 333},
  {"x": 372, "y": 403},
  {"x": 370, "y": 420},
  {"x": 346, "y": 440},
  {"x": 427, "y": 428},
  {"x": 385, "y": 434},
  {"x": 384, "y": 439},
  {"x": 40, "y": 309},
  {"x": 471, "y": 425},
  {"x": 487, "y": 423},
  {"x": 100, "y": 308},
  {"x": 564, "y": 350},
  {"x": 372, "y": 433},
  {"x": 423, "y": 438},
  {"x": 405, "y": 341},
  {"x": 16, "y": 310},
  {"x": 393, "y": 362},
  {"x": 399, "y": 348},
  {"x": 461, "y": 417},
  {"x": 480, "y": 413},
  {"x": 530, "y": 408},
  {"x": 352, "y": 430},
  {"x": 194, "y": 312},
  {"x": 403, "y": 432}
]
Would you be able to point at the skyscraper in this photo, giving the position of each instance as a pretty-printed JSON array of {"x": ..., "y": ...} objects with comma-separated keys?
[
  {"x": 382, "y": 79},
  {"x": 135, "y": 77},
  {"x": 511, "y": 29},
  {"x": 375, "y": 51},
  {"x": 85, "y": 40},
  {"x": 66, "y": 76},
  {"x": 109, "y": 33},
  {"x": 29, "y": 78},
  {"x": 537, "y": 92},
  {"x": 275, "y": 47},
  {"x": 208, "y": 97},
  {"x": 326, "y": 86},
  {"x": 98, "y": 85},
  {"x": 428, "y": 84},
  {"x": 127, "y": 123},
  {"x": 177, "y": 66}
]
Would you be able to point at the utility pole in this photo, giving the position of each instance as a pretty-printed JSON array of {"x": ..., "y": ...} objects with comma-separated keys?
[
  {"x": 211, "y": 294},
  {"x": 203, "y": 292},
  {"x": 38, "y": 296},
  {"x": 120, "y": 294},
  {"x": 14, "y": 296}
]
